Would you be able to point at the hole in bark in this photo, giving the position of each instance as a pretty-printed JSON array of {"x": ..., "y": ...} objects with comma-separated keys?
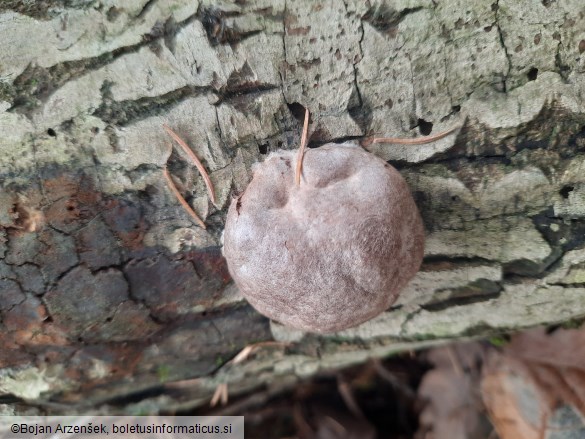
[
  {"x": 552, "y": 329},
  {"x": 456, "y": 108},
  {"x": 566, "y": 190},
  {"x": 112, "y": 14},
  {"x": 425, "y": 127},
  {"x": 454, "y": 198},
  {"x": 263, "y": 148},
  {"x": 51, "y": 132},
  {"x": 532, "y": 74},
  {"x": 297, "y": 110},
  {"x": 95, "y": 130}
]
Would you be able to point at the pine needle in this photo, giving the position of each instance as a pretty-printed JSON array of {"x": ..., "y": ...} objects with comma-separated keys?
[
  {"x": 416, "y": 141},
  {"x": 302, "y": 148},
  {"x": 184, "y": 203},
  {"x": 220, "y": 395},
  {"x": 195, "y": 161}
]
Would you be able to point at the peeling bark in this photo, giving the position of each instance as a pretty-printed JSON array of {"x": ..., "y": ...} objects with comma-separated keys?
[{"x": 109, "y": 292}]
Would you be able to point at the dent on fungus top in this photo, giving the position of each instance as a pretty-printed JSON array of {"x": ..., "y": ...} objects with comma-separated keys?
[{"x": 330, "y": 253}]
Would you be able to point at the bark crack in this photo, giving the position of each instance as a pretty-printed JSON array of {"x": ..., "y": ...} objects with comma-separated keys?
[
  {"x": 447, "y": 87},
  {"x": 282, "y": 79},
  {"x": 355, "y": 70},
  {"x": 146, "y": 8},
  {"x": 562, "y": 68},
  {"x": 28, "y": 95},
  {"x": 414, "y": 112},
  {"x": 408, "y": 318},
  {"x": 496, "y": 7}
]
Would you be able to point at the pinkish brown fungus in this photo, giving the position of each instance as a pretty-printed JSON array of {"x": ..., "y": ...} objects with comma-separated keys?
[{"x": 330, "y": 253}]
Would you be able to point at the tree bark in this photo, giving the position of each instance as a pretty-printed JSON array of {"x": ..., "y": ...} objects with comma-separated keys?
[{"x": 110, "y": 293}]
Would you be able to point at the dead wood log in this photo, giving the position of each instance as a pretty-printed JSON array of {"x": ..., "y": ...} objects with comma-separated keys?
[{"x": 109, "y": 291}]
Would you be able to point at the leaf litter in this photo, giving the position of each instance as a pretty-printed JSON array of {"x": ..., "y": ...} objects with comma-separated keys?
[{"x": 530, "y": 385}]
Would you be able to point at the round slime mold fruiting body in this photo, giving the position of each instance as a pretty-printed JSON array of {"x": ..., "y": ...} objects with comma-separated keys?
[{"x": 331, "y": 253}]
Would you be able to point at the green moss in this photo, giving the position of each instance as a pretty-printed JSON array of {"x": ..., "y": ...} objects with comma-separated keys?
[
  {"x": 7, "y": 92},
  {"x": 339, "y": 339},
  {"x": 437, "y": 170},
  {"x": 573, "y": 324},
  {"x": 219, "y": 361},
  {"x": 163, "y": 372},
  {"x": 498, "y": 341}
]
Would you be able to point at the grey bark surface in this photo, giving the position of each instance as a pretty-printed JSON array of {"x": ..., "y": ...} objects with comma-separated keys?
[{"x": 112, "y": 299}]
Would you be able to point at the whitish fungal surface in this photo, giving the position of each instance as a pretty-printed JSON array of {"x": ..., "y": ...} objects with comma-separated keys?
[{"x": 328, "y": 254}]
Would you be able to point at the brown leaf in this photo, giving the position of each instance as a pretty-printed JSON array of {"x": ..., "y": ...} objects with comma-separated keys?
[
  {"x": 560, "y": 348},
  {"x": 556, "y": 360},
  {"x": 535, "y": 376},
  {"x": 518, "y": 407},
  {"x": 332, "y": 423},
  {"x": 453, "y": 406}
]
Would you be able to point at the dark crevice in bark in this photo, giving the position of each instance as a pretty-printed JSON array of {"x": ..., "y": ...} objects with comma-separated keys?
[
  {"x": 36, "y": 84},
  {"x": 122, "y": 113},
  {"x": 355, "y": 111},
  {"x": 252, "y": 90},
  {"x": 496, "y": 9},
  {"x": 563, "y": 69},
  {"x": 220, "y": 30},
  {"x": 560, "y": 230},
  {"x": 438, "y": 259},
  {"x": 385, "y": 19},
  {"x": 478, "y": 297},
  {"x": 44, "y": 10},
  {"x": 145, "y": 9},
  {"x": 410, "y": 316}
]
